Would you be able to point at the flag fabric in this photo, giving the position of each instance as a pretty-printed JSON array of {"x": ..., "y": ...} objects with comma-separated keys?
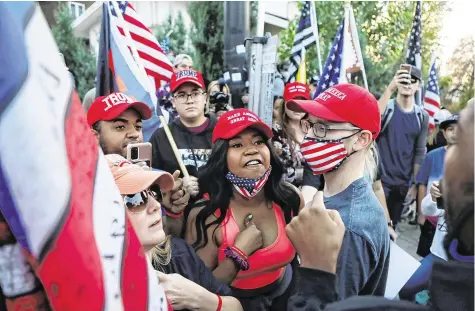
[
  {"x": 344, "y": 57},
  {"x": 432, "y": 98},
  {"x": 56, "y": 191},
  {"x": 105, "y": 81},
  {"x": 414, "y": 54},
  {"x": 165, "y": 45},
  {"x": 331, "y": 71},
  {"x": 302, "y": 72},
  {"x": 127, "y": 77},
  {"x": 248, "y": 187},
  {"x": 156, "y": 63},
  {"x": 304, "y": 38}
]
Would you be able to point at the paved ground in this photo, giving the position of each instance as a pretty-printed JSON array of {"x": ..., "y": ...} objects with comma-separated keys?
[{"x": 408, "y": 238}]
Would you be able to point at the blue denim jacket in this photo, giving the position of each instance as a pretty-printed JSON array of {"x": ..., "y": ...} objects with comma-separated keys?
[{"x": 363, "y": 261}]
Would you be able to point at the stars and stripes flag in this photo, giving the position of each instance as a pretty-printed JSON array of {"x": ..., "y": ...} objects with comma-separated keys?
[
  {"x": 248, "y": 187},
  {"x": 303, "y": 39},
  {"x": 414, "y": 54},
  {"x": 322, "y": 156},
  {"x": 56, "y": 191},
  {"x": 156, "y": 63},
  {"x": 118, "y": 71},
  {"x": 331, "y": 71},
  {"x": 345, "y": 55},
  {"x": 432, "y": 98}
]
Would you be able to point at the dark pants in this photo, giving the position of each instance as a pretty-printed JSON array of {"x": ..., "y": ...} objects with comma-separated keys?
[{"x": 395, "y": 197}]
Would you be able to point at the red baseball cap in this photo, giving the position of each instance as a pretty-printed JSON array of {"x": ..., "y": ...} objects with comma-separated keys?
[
  {"x": 344, "y": 103},
  {"x": 296, "y": 89},
  {"x": 186, "y": 76},
  {"x": 105, "y": 108},
  {"x": 235, "y": 121}
]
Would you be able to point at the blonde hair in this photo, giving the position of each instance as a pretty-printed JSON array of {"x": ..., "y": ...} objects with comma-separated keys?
[
  {"x": 371, "y": 162},
  {"x": 208, "y": 90},
  {"x": 162, "y": 254}
]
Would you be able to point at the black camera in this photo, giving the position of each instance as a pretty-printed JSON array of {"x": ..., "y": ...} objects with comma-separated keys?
[{"x": 220, "y": 100}]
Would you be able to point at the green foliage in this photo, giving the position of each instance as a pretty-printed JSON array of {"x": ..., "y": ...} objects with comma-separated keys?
[
  {"x": 254, "y": 10},
  {"x": 78, "y": 57},
  {"x": 207, "y": 36},
  {"x": 383, "y": 30},
  {"x": 458, "y": 87},
  {"x": 178, "y": 40}
]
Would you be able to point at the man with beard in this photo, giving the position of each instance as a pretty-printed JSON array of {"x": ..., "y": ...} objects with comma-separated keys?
[
  {"x": 451, "y": 283},
  {"x": 402, "y": 143},
  {"x": 116, "y": 120}
]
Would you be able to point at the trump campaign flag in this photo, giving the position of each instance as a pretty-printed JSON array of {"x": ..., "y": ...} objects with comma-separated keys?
[
  {"x": 56, "y": 191},
  {"x": 119, "y": 71}
]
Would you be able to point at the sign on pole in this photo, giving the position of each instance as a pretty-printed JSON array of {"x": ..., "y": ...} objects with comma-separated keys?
[{"x": 263, "y": 66}]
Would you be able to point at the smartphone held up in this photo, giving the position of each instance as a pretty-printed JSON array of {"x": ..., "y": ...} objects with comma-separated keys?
[{"x": 140, "y": 152}]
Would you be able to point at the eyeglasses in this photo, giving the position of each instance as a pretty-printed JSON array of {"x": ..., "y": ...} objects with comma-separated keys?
[
  {"x": 182, "y": 98},
  {"x": 139, "y": 201},
  {"x": 320, "y": 130}
]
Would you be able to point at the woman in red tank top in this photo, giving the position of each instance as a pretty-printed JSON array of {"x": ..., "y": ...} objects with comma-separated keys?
[{"x": 238, "y": 229}]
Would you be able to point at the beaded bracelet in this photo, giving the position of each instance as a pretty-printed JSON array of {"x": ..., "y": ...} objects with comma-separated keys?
[{"x": 235, "y": 256}]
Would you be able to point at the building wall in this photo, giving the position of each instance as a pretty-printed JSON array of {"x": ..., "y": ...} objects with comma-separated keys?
[{"x": 49, "y": 9}]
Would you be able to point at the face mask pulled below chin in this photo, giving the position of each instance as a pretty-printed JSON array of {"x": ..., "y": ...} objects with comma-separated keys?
[
  {"x": 323, "y": 156},
  {"x": 248, "y": 187}
]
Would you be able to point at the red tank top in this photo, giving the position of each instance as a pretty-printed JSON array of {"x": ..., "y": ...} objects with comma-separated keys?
[{"x": 267, "y": 264}]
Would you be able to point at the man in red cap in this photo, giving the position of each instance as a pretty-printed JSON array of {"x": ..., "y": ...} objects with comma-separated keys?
[
  {"x": 340, "y": 129},
  {"x": 116, "y": 120},
  {"x": 191, "y": 131}
]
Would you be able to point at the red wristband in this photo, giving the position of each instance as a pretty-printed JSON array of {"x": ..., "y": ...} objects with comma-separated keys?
[
  {"x": 220, "y": 303},
  {"x": 173, "y": 215},
  {"x": 240, "y": 252}
]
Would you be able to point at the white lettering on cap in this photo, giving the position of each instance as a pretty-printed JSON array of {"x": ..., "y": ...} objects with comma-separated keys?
[
  {"x": 186, "y": 74},
  {"x": 338, "y": 94},
  {"x": 116, "y": 99}
]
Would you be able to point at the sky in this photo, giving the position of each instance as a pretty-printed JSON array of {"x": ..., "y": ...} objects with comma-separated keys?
[{"x": 457, "y": 24}]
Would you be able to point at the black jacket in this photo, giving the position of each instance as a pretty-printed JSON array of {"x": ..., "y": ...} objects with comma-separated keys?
[
  {"x": 194, "y": 148},
  {"x": 451, "y": 289}
]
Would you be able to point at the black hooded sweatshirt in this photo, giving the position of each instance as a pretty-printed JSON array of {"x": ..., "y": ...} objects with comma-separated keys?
[{"x": 194, "y": 148}]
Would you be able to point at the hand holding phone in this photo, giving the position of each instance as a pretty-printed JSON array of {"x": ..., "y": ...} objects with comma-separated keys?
[
  {"x": 404, "y": 74},
  {"x": 141, "y": 152}
]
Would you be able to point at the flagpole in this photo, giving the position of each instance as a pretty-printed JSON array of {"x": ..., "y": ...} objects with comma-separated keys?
[
  {"x": 354, "y": 34},
  {"x": 313, "y": 17},
  {"x": 150, "y": 88}
]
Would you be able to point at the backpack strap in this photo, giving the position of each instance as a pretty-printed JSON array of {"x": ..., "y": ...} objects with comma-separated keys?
[
  {"x": 387, "y": 115},
  {"x": 420, "y": 115}
]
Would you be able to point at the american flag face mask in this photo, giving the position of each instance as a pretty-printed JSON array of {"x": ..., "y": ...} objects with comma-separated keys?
[{"x": 248, "y": 187}]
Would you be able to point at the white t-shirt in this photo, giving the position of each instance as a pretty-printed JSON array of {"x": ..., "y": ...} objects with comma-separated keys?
[{"x": 429, "y": 208}]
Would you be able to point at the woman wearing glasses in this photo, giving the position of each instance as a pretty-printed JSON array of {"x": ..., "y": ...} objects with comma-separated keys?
[
  {"x": 287, "y": 139},
  {"x": 340, "y": 127},
  {"x": 239, "y": 229},
  {"x": 188, "y": 283}
]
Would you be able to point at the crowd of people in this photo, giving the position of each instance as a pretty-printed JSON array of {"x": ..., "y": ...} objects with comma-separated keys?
[{"x": 297, "y": 216}]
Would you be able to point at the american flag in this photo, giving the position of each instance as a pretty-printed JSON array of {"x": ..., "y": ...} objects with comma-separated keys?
[
  {"x": 432, "y": 98},
  {"x": 60, "y": 201},
  {"x": 156, "y": 63},
  {"x": 331, "y": 71},
  {"x": 248, "y": 187},
  {"x": 414, "y": 55},
  {"x": 303, "y": 39}
]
